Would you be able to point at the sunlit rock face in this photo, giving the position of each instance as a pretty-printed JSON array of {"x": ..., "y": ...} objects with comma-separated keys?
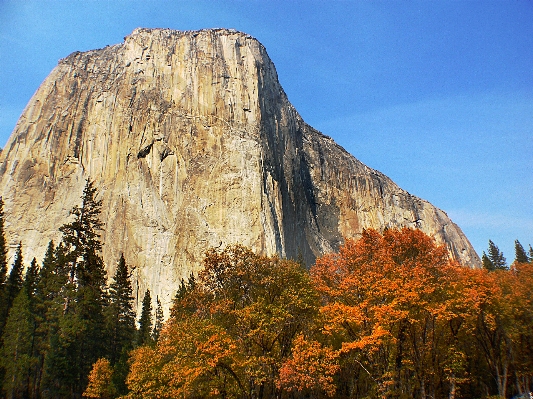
[{"x": 192, "y": 144}]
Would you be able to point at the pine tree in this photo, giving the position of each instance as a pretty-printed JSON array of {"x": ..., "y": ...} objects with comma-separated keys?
[
  {"x": 120, "y": 320},
  {"x": 3, "y": 256},
  {"x": 159, "y": 319},
  {"x": 486, "y": 262},
  {"x": 520, "y": 253},
  {"x": 42, "y": 306},
  {"x": 31, "y": 279},
  {"x": 12, "y": 286},
  {"x": 83, "y": 232},
  {"x": 17, "y": 350},
  {"x": 119, "y": 314},
  {"x": 496, "y": 258},
  {"x": 144, "y": 334},
  {"x": 184, "y": 289},
  {"x": 80, "y": 338}
]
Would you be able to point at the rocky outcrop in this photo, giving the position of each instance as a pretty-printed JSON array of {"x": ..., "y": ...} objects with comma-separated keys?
[{"x": 192, "y": 144}]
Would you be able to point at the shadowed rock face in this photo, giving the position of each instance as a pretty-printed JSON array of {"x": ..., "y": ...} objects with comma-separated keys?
[{"x": 192, "y": 144}]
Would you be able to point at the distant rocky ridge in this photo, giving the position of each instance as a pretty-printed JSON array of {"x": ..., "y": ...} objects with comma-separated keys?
[{"x": 192, "y": 144}]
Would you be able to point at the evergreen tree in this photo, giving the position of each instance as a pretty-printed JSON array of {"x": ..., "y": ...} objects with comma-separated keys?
[
  {"x": 80, "y": 338},
  {"x": 17, "y": 350},
  {"x": 3, "y": 258},
  {"x": 181, "y": 293},
  {"x": 120, "y": 319},
  {"x": 31, "y": 279},
  {"x": 42, "y": 306},
  {"x": 530, "y": 253},
  {"x": 159, "y": 319},
  {"x": 144, "y": 334},
  {"x": 495, "y": 259},
  {"x": 520, "y": 253},
  {"x": 82, "y": 233},
  {"x": 12, "y": 286},
  {"x": 119, "y": 314},
  {"x": 486, "y": 263}
]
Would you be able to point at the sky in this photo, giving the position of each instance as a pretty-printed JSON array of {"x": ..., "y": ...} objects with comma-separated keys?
[{"x": 436, "y": 94}]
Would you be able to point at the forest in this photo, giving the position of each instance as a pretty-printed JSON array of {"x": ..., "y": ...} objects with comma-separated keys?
[{"x": 388, "y": 316}]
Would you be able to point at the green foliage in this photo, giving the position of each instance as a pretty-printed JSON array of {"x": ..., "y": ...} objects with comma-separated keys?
[
  {"x": 12, "y": 286},
  {"x": 17, "y": 351},
  {"x": 31, "y": 278},
  {"x": 120, "y": 324},
  {"x": 520, "y": 253},
  {"x": 3, "y": 254},
  {"x": 159, "y": 319},
  {"x": 78, "y": 338},
  {"x": 83, "y": 232},
  {"x": 495, "y": 259},
  {"x": 144, "y": 333}
]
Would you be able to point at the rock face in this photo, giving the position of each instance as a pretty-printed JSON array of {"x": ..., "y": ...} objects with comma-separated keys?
[{"x": 192, "y": 144}]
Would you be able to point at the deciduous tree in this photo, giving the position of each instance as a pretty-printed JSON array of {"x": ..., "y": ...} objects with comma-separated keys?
[{"x": 100, "y": 381}]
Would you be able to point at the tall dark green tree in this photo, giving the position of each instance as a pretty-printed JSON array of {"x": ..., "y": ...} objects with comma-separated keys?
[
  {"x": 119, "y": 314},
  {"x": 486, "y": 263},
  {"x": 159, "y": 319},
  {"x": 494, "y": 260},
  {"x": 144, "y": 334},
  {"x": 80, "y": 339},
  {"x": 16, "y": 355},
  {"x": 12, "y": 286},
  {"x": 120, "y": 320},
  {"x": 3, "y": 257},
  {"x": 31, "y": 279},
  {"x": 520, "y": 253}
]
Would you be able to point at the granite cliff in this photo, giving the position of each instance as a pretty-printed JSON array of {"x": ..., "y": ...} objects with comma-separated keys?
[{"x": 192, "y": 144}]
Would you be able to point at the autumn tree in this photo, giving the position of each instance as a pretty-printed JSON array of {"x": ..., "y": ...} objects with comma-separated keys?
[
  {"x": 100, "y": 381},
  {"x": 229, "y": 332},
  {"x": 310, "y": 369},
  {"x": 389, "y": 307}
]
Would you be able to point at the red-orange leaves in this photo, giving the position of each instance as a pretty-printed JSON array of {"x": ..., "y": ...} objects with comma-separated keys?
[
  {"x": 387, "y": 301},
  {"x": 310, "y": 368}
]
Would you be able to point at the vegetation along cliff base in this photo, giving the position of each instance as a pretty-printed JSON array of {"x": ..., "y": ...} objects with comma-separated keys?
[{"x": 388, "y": 316}]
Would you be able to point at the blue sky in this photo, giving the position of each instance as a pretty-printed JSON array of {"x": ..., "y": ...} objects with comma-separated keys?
[{"x": 438, "y": 95}]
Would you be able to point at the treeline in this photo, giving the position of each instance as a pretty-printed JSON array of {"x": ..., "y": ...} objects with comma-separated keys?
[
  {"x": 389, "y": 316},
  {"x": 59, "y": 318}
]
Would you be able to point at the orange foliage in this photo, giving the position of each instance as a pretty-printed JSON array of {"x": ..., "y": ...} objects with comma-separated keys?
[
  {"x": 388, "y": 316},
  {"x": 100, "y": 384},
  {"x": 311, "y": 367},
  {"x": 389, "y": 299}
]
